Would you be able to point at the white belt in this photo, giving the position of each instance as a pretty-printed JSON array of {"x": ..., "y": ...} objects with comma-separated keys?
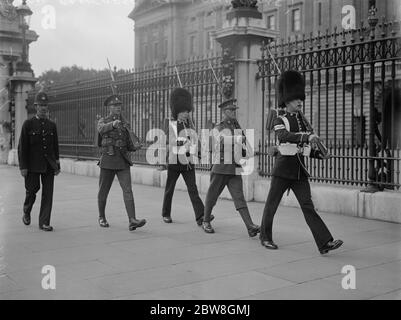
[{"x": 291, "y": 149}]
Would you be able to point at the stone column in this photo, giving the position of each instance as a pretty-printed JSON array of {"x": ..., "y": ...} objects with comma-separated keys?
[
  {"x": 22, "y": 82},
  {"x": 241, "y": 38}
]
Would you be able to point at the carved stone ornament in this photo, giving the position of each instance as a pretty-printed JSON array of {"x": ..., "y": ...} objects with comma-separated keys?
[
  {"x": 244, "y": 4},
  {"x": 7, "y": 10}
]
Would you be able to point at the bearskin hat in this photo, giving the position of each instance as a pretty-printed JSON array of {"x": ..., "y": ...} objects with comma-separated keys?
[
  {"x": 180, "y": 101},
  {"x": 290, "y": 86}
]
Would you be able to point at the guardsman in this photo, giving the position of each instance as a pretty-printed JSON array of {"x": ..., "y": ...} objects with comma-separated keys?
[
  {"x": 226, "y": 171},
  {"x": 38, "y": 153},
  {"x": 181, "y": 154},
  {"x": 116, "y": 145},
  {"x": 290, "y": 171}
]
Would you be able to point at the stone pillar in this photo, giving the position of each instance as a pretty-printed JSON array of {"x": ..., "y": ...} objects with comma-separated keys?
[
  {"x": 241, "y": 38},
  {"x": 16, "y": 76},
  {"x": 22, "y": 82}
]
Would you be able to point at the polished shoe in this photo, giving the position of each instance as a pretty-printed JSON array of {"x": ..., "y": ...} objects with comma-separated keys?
[
  {"x": 200, "y": 221},
  {"x": 103, "y": 223},
  {"x": 46, "y": 228},
  {"x": 134, "y": 224},
  {"x": 167, "y": 220},
  {"x": 207, "y": 227},
  {"x": 253, "y": 231},
  {"x": 269, "y": 245},
  {"x": 26, "y": 219},
  {"x": 331, "y": 245}
]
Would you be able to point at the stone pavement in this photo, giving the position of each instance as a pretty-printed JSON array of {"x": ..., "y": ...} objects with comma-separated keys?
[{"x": 179, "y": 261}]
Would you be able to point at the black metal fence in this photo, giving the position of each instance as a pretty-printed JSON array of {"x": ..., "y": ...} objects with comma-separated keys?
[
  {"x": 353, "y": 101},
  {"x": 76, "y": 107}
]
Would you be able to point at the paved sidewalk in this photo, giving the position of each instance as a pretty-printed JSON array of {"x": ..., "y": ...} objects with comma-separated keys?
[{"x": 179, "y": 261}]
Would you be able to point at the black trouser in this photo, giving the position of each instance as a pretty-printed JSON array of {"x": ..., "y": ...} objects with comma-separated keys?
[
  {"x": 217, "y": 184},
  {"x": 302, "y": 191},
  {"x": 190, "y": 180},
  {"x": 105, "y": 182},
  {"x": 32, "y": 186}
]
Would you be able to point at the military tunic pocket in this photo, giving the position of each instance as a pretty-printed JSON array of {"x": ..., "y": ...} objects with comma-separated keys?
[{"x": 34, "y": 137}]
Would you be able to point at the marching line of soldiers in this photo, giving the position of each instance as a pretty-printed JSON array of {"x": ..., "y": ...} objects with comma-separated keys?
[{"x": 39, "y": 159}]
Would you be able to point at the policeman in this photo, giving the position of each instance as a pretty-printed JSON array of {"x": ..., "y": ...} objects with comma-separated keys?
[
  {"x": 38, "y": 154},
  {"x": 115, "y": 143},
  {"x": 290, "y": 170},
  {"x": 226, "y": 171},
  {"x": 181, "y": 151}
]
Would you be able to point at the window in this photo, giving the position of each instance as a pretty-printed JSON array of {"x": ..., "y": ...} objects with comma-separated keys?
[
  {"x": 145, "y": 53},
  {"x": 209, "y": 41},
  {"x": 165, "y": 47},
  {"x": 296, "y": 20},
  {"x": 271, "y": 22},
  {"x": 192, "y": 43},
  {"x": 319, "y": 13},
  {"x": 156, "y": 50}
]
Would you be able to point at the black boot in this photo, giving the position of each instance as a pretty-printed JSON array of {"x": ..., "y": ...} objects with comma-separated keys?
[
  {"x": 102, "y": 214},
  {"x": 134, "y": 223},
  {"x": 252, "y": 228}
]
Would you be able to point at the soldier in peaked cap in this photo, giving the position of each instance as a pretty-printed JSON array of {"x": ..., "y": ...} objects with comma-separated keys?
[
  {"x": 181, "y": 146},
  {"x": 38, "y": 153},
  {"x": 290, "y": 170},
  {"x": 115, "y": 143},
  {"x": 225, "y": 171}
]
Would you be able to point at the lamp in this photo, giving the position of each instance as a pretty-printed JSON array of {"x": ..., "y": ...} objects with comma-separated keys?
[{"x": 24, "y": 14}]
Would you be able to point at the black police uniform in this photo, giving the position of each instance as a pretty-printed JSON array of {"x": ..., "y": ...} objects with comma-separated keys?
[
  {"x": 180, "y": 101},
  {"x": 228, "y": 175},
  {"x": 115, "y": 160},
  {"x": 38, "y": 152}
]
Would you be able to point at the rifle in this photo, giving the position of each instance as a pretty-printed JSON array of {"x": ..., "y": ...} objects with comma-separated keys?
[{"x": 113, "y": 80}]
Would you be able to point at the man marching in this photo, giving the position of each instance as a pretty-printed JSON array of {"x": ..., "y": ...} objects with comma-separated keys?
[
  {"x": 180, "y": 157},
  {"x": 290, "y": 170},
  {"x": 226, "y": 172},
  {"x": 116, "y": 143},
  {"x": 38, "y": 153}
]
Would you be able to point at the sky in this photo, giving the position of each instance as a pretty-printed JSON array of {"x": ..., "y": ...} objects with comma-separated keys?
[{"x": 82, "y": 33}]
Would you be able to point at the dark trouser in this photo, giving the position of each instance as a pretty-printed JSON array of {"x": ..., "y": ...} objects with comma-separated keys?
[
  {"x": 217, "y": 184},
  {"x": 302, "y": 191},
  {"x": 190, "y": 181},
  {"x": 105, "y": 182},
  {"x": 32, "y": 186}
]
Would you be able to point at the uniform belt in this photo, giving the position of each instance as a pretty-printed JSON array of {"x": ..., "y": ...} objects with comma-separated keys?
[{"x": 292, "y": 149}]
